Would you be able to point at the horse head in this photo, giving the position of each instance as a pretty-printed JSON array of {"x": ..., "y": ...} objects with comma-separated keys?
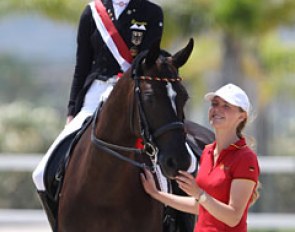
[{"x": 161, "y": 98}]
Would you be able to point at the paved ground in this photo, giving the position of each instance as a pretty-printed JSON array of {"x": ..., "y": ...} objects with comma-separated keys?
[{"x": 25, "y": 228}]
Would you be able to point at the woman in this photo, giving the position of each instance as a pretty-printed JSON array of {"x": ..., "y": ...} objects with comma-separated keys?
[
  {"x": 110, "y": 34},
  {"x": 227, "y": 179}
]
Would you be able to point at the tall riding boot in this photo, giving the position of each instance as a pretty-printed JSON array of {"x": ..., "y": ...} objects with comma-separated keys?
[{"x": 50, "y": 208}]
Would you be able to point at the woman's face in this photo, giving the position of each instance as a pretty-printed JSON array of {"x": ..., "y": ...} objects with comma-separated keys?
[{"x": 223, "y": 115}]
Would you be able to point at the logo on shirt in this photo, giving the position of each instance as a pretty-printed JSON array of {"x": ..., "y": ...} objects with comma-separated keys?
[{"x": 223, "y": 167}]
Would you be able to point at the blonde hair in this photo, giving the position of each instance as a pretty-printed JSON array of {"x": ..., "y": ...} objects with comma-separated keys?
[
  {"x": 242, "y": 125},
  {"x": 251, "y": 142},
  {"x": 256, "y": 193}
]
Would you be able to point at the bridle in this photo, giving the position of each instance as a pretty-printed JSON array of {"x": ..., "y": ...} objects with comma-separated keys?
[{"x": 150, "y": 147}]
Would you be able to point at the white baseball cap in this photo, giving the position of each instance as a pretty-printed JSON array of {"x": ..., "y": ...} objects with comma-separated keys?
[{"x": 233, "y": 95}]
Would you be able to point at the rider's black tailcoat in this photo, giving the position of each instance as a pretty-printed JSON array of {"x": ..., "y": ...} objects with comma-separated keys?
[{"x": 140, "y": 24}]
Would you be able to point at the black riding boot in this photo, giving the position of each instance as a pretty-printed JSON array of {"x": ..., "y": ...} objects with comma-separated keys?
[{"x": 50, "y": 208}]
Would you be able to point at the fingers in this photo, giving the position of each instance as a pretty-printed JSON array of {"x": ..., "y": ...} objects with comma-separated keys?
[
  {"x": 185, "y": 178},
  {"x": 185, "y": 188},
  {"x": 186, "y": 174},
  {"x": 186, "y": 182},
  {"x": 148, "y": 182},
  {"x": 182, "y": 179},
  {"x": 142, "y": 177},
  {"x": 146, "y": 176}
]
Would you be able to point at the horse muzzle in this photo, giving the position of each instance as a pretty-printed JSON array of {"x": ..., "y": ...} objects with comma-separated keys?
[{"x": 171, "y": 163}]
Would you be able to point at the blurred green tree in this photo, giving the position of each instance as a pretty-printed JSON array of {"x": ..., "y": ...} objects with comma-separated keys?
[
  {"x": 22, "y": 127},
  {"x": 66, "y": 10},
  {"x": 242, "y": 27},
  {"x": 14, "y": 75}
]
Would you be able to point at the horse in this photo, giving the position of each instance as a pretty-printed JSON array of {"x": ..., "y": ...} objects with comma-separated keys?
[{"x": 101, "y": 188}]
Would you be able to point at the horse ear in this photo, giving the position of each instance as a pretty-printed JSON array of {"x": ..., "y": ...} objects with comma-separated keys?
[
  {"x": 181, "y": 57},
  {"x": 153, "y": 53}
]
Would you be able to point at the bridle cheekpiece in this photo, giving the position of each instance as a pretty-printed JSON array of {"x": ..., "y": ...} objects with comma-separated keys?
[{"x": 150, "y": 148}]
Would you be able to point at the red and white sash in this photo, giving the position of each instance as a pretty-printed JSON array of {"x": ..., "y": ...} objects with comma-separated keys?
[{"x": 110, "y": 35}]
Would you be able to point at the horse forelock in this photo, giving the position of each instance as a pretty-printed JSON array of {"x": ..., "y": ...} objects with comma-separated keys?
[
  {"x": 175, "y": 90},
  {"x": 163, "y": 73},
  {"x": 165, "y": 66},
  {"x": 161, "y": 68}
]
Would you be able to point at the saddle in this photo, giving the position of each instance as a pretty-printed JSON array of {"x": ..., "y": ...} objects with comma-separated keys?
[
  {"x": 55, "y": 170},
  {"x": 56, "y": 165}
]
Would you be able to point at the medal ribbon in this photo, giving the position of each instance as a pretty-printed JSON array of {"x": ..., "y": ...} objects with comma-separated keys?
[{"x": 110, "y": 35}]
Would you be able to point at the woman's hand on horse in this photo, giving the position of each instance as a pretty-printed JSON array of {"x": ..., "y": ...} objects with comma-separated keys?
[
  {"x": 148, "y": 182},
  {"x": 187, "y": 183}
]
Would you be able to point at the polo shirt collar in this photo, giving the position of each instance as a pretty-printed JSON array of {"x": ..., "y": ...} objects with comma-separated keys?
[{"x": 241, "y": 143}]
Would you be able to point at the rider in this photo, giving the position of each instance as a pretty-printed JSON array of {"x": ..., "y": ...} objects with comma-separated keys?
[{"x": 101, "y": 56}]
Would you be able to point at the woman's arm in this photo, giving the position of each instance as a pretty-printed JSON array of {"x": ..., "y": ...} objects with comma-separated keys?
[
  {"x": 183, "y": 203},
  {"x": 231, "y": 213}
]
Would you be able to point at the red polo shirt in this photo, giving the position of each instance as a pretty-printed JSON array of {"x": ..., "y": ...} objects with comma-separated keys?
[{"x": 238, "y": 161}]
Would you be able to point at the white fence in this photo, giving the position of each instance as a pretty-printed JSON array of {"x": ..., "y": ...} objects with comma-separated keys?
[
  {"x": 24, "y": 162},
  {"x": 19, "y": 162}
]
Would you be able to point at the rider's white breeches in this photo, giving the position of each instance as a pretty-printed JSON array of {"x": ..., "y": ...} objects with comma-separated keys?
[{"x": 98, "y": 91}]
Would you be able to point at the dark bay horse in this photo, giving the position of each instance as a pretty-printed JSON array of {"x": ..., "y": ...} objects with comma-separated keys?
[{"x": 102, "y": 191}]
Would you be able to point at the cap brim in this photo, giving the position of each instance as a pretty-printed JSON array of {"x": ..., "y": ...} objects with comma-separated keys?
[{"x": 209, "y": 96}]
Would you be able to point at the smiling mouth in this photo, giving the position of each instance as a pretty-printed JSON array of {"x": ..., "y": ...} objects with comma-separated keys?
[{"x": 217, "y": 117}]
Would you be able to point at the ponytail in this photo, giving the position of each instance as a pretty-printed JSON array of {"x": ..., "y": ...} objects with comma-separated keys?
[
  {"x": 256, "y": 193},
  {"x": 240, "y": 128}
]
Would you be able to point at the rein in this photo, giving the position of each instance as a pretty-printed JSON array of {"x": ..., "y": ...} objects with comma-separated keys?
[
  {"x": 150, "y": 147},
  {"x": 109, "y": 148}
]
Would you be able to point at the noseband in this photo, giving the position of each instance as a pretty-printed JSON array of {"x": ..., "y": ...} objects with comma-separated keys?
[{"x": 150, "y": 147}]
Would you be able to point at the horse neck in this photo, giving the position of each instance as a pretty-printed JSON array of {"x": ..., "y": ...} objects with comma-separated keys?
[{"x": 114, "y": 121}]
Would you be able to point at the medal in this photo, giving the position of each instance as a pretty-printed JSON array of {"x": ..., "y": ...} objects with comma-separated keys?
[
  {"x": 138, "y": 29},
  {"x": 133, "y": 51}
]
